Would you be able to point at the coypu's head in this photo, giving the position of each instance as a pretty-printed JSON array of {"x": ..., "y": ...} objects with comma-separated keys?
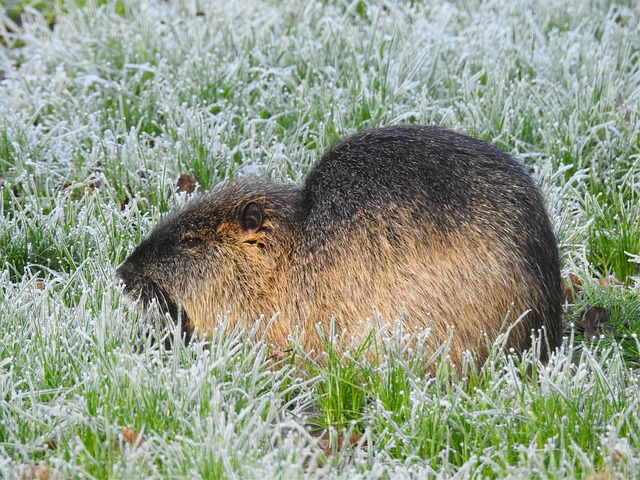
[{"x": 220, "y": 253}]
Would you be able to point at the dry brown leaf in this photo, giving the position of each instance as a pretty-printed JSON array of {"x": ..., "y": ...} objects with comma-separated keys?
[
  {"x": 598, "y": 476},
  {"x": 576, "y": 282},
  {"x": 325, "y": 445},
  {"x": 569, "y": 288},
  {"x": 45, "y": 473},
  {"x": 593, "y": 320},
  {"x": 94, "y": 182},
  {"x": 615, "y": 459},
  {"x": 185, "y": 183},
  {"x": 566, "y": 293},
  {"x": 610, "y": 281},
  {"x": 132, "y": 437},
  {"x": 26, "y": 472},
  {"x": 352, "y": 440}
]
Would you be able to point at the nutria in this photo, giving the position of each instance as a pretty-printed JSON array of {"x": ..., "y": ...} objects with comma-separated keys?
[{"x": 415, "y": 223}]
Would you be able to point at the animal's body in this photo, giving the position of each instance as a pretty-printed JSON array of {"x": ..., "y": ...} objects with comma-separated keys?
[{"x": 415, "y": 223}]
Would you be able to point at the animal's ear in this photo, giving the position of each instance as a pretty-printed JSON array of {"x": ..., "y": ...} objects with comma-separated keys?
[{"x": 251, "y": 217}]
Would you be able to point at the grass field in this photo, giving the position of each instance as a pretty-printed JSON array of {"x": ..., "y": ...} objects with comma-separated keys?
[{"x": 104, "y": 103}]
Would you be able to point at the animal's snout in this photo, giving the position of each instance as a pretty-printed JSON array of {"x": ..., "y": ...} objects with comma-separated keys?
[{"x": 125, "y": 271}]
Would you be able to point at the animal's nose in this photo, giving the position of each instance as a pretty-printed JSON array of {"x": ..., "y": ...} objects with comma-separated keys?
[{"x": 124, "y": 271}]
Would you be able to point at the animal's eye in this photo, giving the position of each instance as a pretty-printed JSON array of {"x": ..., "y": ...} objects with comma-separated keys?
[{"x": 191, "y": 242}]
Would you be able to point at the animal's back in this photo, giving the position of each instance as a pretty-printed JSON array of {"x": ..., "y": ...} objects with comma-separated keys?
[{"x": 435, "y": 227}]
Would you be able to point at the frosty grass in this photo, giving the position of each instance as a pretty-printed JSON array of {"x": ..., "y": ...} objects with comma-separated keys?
[{"x": 103, "y": 106}]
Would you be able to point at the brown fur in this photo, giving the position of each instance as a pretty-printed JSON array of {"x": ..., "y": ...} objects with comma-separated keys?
[{"x": 464, "y": 248}]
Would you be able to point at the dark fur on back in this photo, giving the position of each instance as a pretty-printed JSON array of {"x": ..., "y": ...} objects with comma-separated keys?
[{"x": 412, "y": 222}]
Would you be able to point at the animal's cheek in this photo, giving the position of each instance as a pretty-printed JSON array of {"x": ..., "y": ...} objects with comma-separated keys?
[
  {"x": 196, "y": 269},
  {"x": 166, "y": 270}
]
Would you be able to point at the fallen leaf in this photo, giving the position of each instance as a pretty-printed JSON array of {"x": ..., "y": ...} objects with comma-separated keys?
[
  {"x": 325, "y": 444},
  {"x": 616, "y": 456},
  {"x": 598, "y": 476},
  {"x": 45, "y": 473},
  {"x": 575, "y": 281},
  {"x": 352, "y": 440},
  {"x": 186, "y": 183},
  {"x": 593, "y": 320},
  {"x": 569, "y": 288},
  {"x": 610, "y": 281},
  {"x": 26, "y": 472},
  {"x": 132, "y": 437},
  {"x": 93, "y": 182},
  {"x": 566, "y": 293}
]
